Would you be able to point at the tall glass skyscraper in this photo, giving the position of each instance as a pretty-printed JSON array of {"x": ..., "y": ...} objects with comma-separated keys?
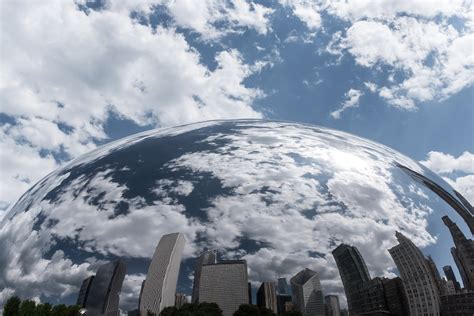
[
  {"x": 353, "y": 272},
  {"x": 307, "y": 293},
  {"x": 159, "y": 288},
  {"x": 207, "y": 257},
  {"x": 266, "y": 296},
  {"x": 105, "y": 287},
  {"x": 418, "y": 279}
]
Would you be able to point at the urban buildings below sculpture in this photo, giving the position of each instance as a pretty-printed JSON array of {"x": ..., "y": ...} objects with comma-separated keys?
[
  {"x": 420, "y": 284},
  {"x": 207, "y": 257},
  {"x": 332, "y": 306},
  {"x": 159, "y": 288},
  {"x": 307, "y": 293},
  {"x": 226, "y": 284},
  {"x": 266, "y": 296}
]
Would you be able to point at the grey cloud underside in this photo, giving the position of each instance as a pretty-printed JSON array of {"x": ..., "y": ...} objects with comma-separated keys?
[{"x": 281, "y": 195}]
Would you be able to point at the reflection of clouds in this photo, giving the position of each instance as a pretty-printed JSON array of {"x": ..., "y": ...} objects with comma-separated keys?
[{"x": 290, "y": 194}]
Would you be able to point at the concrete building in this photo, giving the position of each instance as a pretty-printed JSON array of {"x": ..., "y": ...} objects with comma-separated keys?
[
  {"x": 226, "y": 284},
  {"x": 104, "y": 291},
  {"x": 307, "y": 293},
  {"x": 283, "y": 288},
  {"x": 266, "y": 296},
  {"x": 352, "y": 270},
  {"x": 180, "y": 300},
  {"x": 331, "y": 303},
  {"x": 282, "y": 300},
  {"x": 420, "y": 284},
  {"x": 159, "y": 288},
  {"x": 395, "y": 296},
  {"x": 458, "y": 304},
  {"x": 463, "y": 253},
  {"x": 84, "y": 291},
  {"x": 207, "y": 257},
  {"x": 449, "y": 273}
]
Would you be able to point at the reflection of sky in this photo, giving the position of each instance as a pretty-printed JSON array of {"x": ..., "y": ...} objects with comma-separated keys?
[{"x": 282, "y": 195}]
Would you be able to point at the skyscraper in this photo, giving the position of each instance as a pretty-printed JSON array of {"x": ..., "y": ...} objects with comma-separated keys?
[
  {"x": 103, "y": 296},
  {"x": 307, "y": 293},
  {"x": 283, "y": 296},
  {"x": 332, "y": 305},
  {"x": 420, "y": 284},
  {"x": 226, "y": 284},
  {"x": 84, "y": 291},
  {"x": 283, "y": 287},
  {"x": 180, "y": 300},
  {"x": 207, "y": 257},
  {"x": 159, "y": 288},
  {"x": 353, "y": 272},
  {"x": 395, "y": 296},
  {"x": 266, "y": 296},
  {"x": 463, "y": 253},
  {"x": 449, "y": 273}
]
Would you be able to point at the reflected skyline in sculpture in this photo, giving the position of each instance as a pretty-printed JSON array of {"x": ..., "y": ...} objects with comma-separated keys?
[{"x": 281, "y": 196}]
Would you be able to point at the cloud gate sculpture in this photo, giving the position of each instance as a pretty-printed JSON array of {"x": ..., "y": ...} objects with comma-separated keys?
[{"x": 297, "y": 204}]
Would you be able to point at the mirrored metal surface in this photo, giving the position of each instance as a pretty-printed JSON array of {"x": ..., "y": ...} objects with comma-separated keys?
[{"x": 281, "y": 196}]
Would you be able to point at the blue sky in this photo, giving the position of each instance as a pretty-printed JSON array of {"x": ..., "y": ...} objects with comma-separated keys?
[{"x": 78, "y": 74}]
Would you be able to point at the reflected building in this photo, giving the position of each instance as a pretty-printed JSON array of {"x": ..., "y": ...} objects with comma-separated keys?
[
  {"x": 84, "y": 292},
  {"x": 307, "y": 293},
  {"x": 283, "y": 296},
  {"x": 332, "y": 306},
  {"x": 266, "y": 296},
  {"x": 418, "y": 280},
  {"x": 180, "y": 300},
  {"x": 207, "y": 257},
  {"x": 395, "y": 296},
  {"x": 105, "y": 287},
  {"x": 226, "y": 284},
  {"x": 353, "y": 272},
  {"x": 463, "y": 253},
  {"x": 458, "y": 304},
  {"x": 449, "y": 273},
  {"x": 159, "y": 287}
]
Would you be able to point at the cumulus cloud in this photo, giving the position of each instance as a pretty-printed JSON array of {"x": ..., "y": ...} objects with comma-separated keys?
[
  {"x": 307, "y": 11},
  {"x": 457, "y": 171},
  {"x": 352, "y": 100},
  {"x": 64, "y": 70}
]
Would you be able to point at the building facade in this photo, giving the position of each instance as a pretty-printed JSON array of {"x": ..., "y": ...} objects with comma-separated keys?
[
  {"x": 84, "y": 291},
  {"x": 458, "y": 304},
  {"x": 207, "y": 257},
  {"x": 395, "y": 297},
  {"x": 331, "y": 303},
  {"x": 421, "y": 288},
  {"x": 449, "y": 273},
  {"x": 267, "y": 297},
  {"x": 353, "y": 272},
  {"x": 463, "y": 253},
  {"x": 226, "y": 284},
  {"x": 159, "y": 288},
  {"x": 307, "y": 293},
  {"x": 105, "y": 287}
]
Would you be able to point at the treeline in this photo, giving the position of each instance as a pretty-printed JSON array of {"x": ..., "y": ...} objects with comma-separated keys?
[
  {"x": 16, "y": 307},
  {"x": 212, "y": 309}
]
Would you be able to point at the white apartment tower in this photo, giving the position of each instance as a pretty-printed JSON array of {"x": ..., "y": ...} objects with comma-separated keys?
[
  {"x": 159, "y": 288},
  {"x": 419, "y": 282},
  {"x": 307, "y": 293}
]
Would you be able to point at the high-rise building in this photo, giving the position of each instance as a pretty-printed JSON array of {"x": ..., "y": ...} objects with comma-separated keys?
[
  {"x": 449, "y": 273},
  {"x": 104, "y": 291},
  {"x": 282, "y": 300},
  {"x": 180, "y": 300},
  {"x": 332, "y": 305},
  {"x": 395, "y": 297},
  {"x": 458, "y": 304},
  {"x": 307, "y": 293},
  {"x": 266, "y": 296},
  {"x": 283, "y": 288},
  {"x": 159, "y": 288},
  {"x": 369, "y": 298},
  {"x": 420, "y": 284},
  {"x": 463, "y": 253},
  {"x": 226, "y": 284},
  {"x": 84, "y": 291},
  {"x": 207, "y": 257},
  {"x": 353, "y": 272}
]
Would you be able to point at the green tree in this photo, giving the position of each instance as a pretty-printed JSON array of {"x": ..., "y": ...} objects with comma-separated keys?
[
  {"x": 266, "y": 312},
  {"x": 28, "y": 308},
  {"x": 168, "y": 311},
  {"x": 291, "y": 313},
  {"x": 12, "y": 307},
  {"x": 60, "y": 310},
  {"x": 43, "y": 309},
  {"x": 247, "y": 310},
  {"x": 209, "y": 309},
  {"x": 73, "y": 310}
]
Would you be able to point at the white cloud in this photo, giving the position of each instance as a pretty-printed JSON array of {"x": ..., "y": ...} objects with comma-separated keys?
[
  {"x": 449, "y": 167},
  {"x": 307, "y": 11},
  {"x": 371, "y": 86},
  {"x": 64, "y": 71},
  {"x": 431, "y": 58},
  {"x": 352, "y": 100},
  {"x": 446, "y": 163}
]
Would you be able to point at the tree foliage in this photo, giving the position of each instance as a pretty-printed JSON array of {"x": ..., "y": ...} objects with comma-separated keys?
[
  {"x": 12, "y": 307},
  {"x": 253, "y": 310},
  {"x": 202, "y": 309},
  {"x": 16, "y": 307}
]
